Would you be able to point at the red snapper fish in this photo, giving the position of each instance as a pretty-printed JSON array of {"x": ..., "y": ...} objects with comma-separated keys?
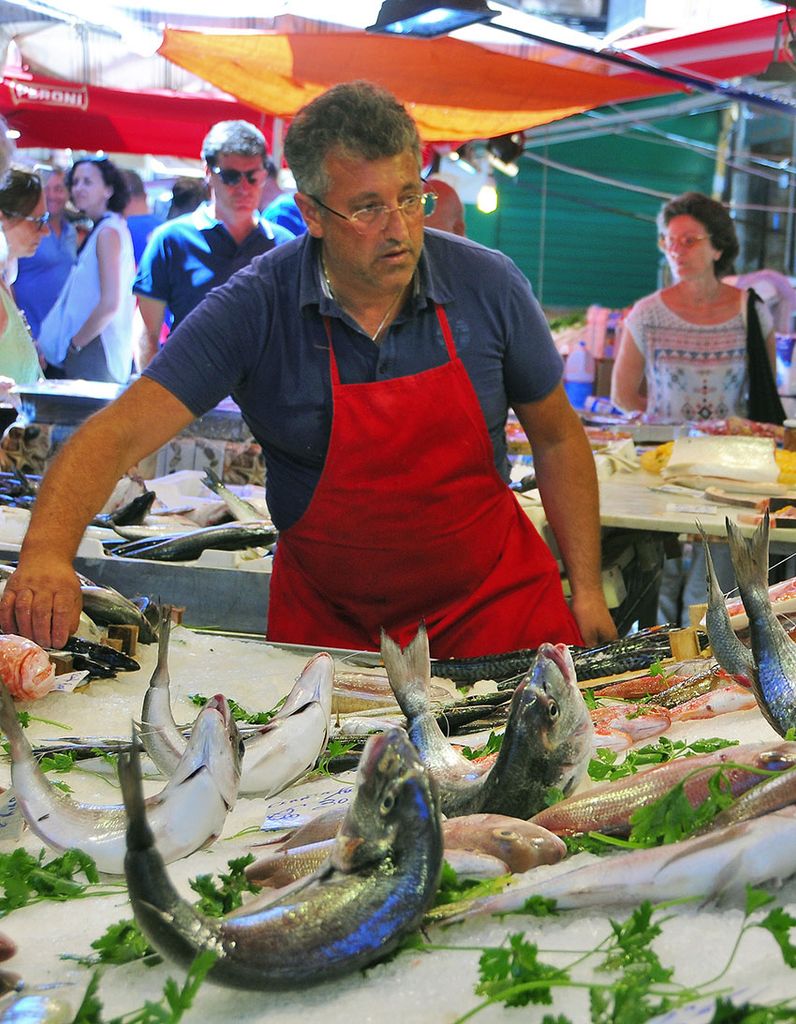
[{"x": 25, "y": 668}]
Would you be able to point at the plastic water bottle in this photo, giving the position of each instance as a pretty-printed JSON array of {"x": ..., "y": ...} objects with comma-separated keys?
[{"x": 579, "y": 375}]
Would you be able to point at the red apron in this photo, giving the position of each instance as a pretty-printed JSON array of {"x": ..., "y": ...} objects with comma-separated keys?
[{"x": 411, "y": 521}]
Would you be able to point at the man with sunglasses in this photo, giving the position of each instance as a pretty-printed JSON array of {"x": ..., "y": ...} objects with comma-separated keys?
[
  {"x": 374, "y": 361},
  {"x": 188, "y": 256}
]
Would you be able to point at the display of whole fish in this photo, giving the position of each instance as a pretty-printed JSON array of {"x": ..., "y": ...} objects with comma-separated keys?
[
  {"x": 733, "y": 656},
  {"x": 774, "y": 653},
  {"x": 241, "y": 509},
  {"x": 547, "y": 743},
  {"x": 184, "y": 547},
  {"x": 770, "y": 794},
  {"x": 515, "y": 844},
  {"x": 607, "y": 806},
  {"x": 187, "y": 814},
  {"x": 278, "y": 754},
  {"x": 725, "y": 861},
  {"x": 376, "y": 886}
]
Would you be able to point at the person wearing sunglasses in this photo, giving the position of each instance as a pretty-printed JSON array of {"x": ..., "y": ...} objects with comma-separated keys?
[
  {"x": 23, "y": 218},
  {"x": 88, "y": 334},
  {"x": 374, "y": 361},
  {"x": 188, "y": 256},
  {"x": 682, "y": 357},
  {"x": 42, "y": 276}
]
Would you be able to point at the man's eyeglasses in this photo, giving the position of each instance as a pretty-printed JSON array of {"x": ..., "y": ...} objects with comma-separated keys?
[
  {"x": 376, "y": 216},
  {"x": 232, "y": 177},
  {"x": 686, "y": 242},
  {"x": 40, "y": 222}
]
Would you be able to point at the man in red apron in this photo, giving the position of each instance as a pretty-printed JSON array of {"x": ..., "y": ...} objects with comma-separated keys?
[{"x": 374, "y": 362}]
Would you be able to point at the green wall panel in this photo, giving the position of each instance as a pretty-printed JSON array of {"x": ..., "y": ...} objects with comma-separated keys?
[{"x": 582, "y": 241}]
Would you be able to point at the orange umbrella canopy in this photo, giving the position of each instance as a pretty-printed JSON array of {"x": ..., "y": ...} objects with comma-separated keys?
[{"x": 456, "y": 91}]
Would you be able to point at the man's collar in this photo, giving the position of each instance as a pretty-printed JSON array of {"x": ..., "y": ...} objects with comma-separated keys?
[
  {"x": 203, "y": 218},
  {"x": 315, "y": 290}
]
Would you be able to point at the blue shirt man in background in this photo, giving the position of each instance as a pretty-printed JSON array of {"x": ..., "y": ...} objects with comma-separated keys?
[{"x": 188, "y": 256}]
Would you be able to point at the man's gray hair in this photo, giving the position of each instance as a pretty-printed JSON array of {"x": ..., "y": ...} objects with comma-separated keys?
[
  {"x": 356, "y": 119},
  {"x": 238, "y": 137}
]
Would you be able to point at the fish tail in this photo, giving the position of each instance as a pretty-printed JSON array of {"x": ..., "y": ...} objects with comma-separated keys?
[
  {"x": 713, "y": 589},
  {"x": 160, "y": 676},
  {"x": 749, "y": 557},
  {"x": 139, "y": 834},
  {"x": 408, "y": 670}
]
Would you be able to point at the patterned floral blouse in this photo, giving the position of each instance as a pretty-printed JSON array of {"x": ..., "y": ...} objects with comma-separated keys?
[{"x": 694, "y": 371}]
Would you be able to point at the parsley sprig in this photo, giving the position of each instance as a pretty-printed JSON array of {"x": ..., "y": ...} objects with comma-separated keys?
[
  {"x": 239, "y": 712},
  {"x": 26, "y": 879},
  {"x": 638, "y": 986}
]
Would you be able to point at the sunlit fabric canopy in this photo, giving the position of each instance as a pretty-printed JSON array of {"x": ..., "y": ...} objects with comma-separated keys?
[
  {"x": 456, "y": 91},
  {"x": 56, "y": 115}
]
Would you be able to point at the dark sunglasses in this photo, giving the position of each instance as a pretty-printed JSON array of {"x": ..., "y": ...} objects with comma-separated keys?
[{"x": 232, "y": 178}]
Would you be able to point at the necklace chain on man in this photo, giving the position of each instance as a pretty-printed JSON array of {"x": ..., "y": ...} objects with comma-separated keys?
[{"x": 375, "y": 336}]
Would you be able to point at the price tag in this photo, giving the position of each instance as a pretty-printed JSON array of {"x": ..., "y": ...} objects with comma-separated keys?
[
  {"x": 301, "y": 804},
  {"x": 69, "y": 681},
  {"x": 11, "y": 820}
]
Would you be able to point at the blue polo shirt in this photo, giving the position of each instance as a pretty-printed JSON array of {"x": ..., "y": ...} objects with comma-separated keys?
[
  {"x": 187, "y": 256},
  {"x": 261, "y": 338}
]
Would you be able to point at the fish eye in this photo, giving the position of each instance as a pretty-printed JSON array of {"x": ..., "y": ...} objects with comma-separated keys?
[
  {"x": 387, "y": 803},
  {"x": 552, "y": 709}
]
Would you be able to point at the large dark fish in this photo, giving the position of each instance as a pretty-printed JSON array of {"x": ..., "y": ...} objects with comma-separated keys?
[
  {"x": 102, "y": 654},
  {"x": 637, "y": 651},
  {"x": 184, "y": 547},
  {"x": 547, "y": 743},
  {"x": 733, "y": 656},
  {"x": 774, "y": 652},
  {"x": 374, "y": 888}
]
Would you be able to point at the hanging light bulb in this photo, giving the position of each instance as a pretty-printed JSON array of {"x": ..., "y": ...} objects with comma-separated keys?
[{"x": 487, "y": 201}]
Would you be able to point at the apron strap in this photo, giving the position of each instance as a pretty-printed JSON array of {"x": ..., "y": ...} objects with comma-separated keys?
[{"x": 442, "y": 319}]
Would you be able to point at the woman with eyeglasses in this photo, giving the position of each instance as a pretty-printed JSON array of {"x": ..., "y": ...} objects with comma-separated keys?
[
  {"x": 23, "y": 218},
  {"x": 88, "y": 333},
  {"x": 682, "y": 355}
]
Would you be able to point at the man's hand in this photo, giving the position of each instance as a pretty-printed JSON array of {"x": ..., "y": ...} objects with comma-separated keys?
[
  {"x": 593, "y": 618},
  {"x": 41, "y": 601}
]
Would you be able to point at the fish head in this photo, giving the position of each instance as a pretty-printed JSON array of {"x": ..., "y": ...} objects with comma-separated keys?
[
  {"x": 215, "y": 745},
  {"x": 394, "y": 800},
  {"x": 553, "y": 714},
  {"x": 313, "y": 686}
]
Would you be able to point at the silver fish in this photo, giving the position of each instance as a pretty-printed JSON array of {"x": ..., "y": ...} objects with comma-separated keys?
[
  {"x": 241, "y": 509},
  {"x": 107, "y": 606},
  {"x": 187, "y": 814},
  {"x": 375, "y": 887},
  {"x": 277, "y": 754},
  {"x": 162, "y": 739},
  {"x": 725, "y": 861},
  {"x": 733, "y": 656},
  {"x": 773, "y": 650},
  {"x": 607, "y": 807},
  {"x": 185, "y": 547},
  {"x": 548, "y": 740}
]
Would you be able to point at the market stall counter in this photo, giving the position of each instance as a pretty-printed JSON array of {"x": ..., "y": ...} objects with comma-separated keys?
[{"x": 434, "y": 981}]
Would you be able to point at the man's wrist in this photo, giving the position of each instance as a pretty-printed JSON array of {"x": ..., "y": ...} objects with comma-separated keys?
[{"x": 74, "y": 348}]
